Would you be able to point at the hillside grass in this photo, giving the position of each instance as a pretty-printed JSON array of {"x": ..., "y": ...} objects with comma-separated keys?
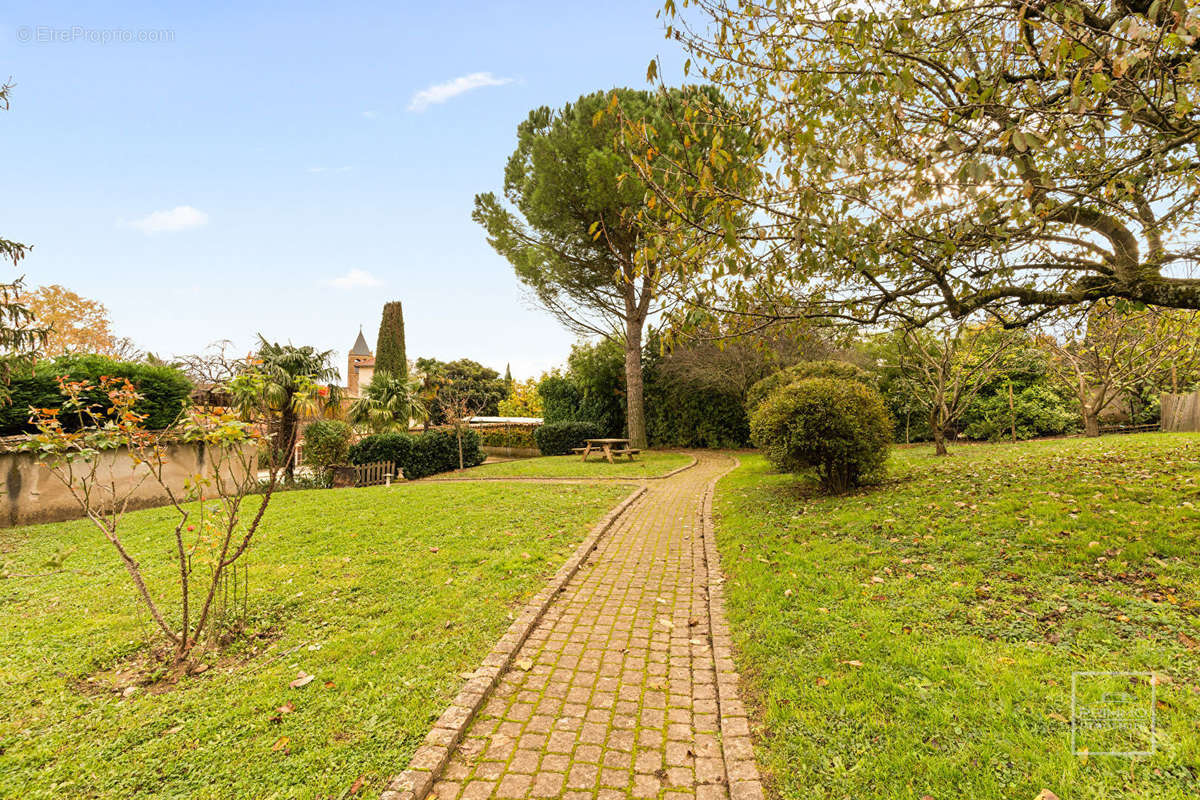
[
  {"x": 384, "y": 594},
  {"x": 918, "y": 638}
]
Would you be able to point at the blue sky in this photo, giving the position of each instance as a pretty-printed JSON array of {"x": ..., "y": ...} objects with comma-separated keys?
[{"x": 265, "y": 167}]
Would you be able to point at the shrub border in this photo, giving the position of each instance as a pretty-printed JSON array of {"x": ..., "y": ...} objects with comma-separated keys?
[{"x": 430, "y": 759}]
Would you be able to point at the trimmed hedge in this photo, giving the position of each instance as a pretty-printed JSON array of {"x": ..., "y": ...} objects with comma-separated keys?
[
  {"x": 557, "y": 438},
  {"x": 681, "y": 415},
  {"x": 507, "y": 437},
  {"x": 839, "y": 370},
  {"x": 839, "y": 428},
  {"x": 419, "y": 456},
  {"x": 163, "y": 390}
]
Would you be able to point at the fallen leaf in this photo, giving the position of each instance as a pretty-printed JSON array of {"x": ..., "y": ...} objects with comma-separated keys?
[
  {"x": 523, "y": 664},
  {"x": 329, "y": 684},
  {"x": 281, "y": 743},
  {"x": 287, "y": 707},
  {"x": 303, "y": 679},
  {"x": 854, "y": 662},
  {"x": 433, "y": 549},
  {"x": 1046, "y": 794},
  {"x": 357, "y": 785},
  {"x": 663, "y": 622},
  {"x": 821, "y": 681},
  {"x": 175, "y": 729}
]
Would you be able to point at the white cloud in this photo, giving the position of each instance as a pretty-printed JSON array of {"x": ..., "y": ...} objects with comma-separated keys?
[
  {"x": 441, "y": 92},
  {"x": 179, "y": 218},
  {"x": 355, "y": 279}
]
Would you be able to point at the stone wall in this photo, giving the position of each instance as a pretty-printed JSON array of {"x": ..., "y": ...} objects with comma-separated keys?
[{"x": 30, "y": 493}]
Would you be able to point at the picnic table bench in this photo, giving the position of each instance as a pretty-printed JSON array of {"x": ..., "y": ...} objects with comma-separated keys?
[{"x": 609, "y": 447}]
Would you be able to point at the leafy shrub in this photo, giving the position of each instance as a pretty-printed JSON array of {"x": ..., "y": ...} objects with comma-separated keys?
[
  {"x": 839, "y": 370},
  {"x": 682, "y": 415},
  {"x": 560, "y": 399},
  {"x": 1039, "y": 411},
  {"x": 419, "y": 456},
  {"x": 326, "y": 443},
  {"x": 840, "y": 428},
  {"x": 557, "y": 438},
  {"x": 507, "y": 437},
  {"x": 162, "y": 390}
]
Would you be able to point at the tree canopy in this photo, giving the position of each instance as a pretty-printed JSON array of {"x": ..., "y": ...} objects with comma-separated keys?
[
  {"x": 934, "y": 157},
  {"x": 582, "y": 216},
  {"x": 390, "y": 353}
]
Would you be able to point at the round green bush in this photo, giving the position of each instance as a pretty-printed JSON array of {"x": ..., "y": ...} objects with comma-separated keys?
[
  {"x": 840, "y": 370},
  {"x": 839, "y": 428},
  {"x": 557, "y": 438},
  {"x": 326, "y": 443}
]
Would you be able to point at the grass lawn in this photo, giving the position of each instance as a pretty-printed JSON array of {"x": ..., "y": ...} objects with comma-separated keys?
[
  {"x": 649, "y": 464},
  {"x": 919, "y": 638},
  {"x": 385, "y": 595}
]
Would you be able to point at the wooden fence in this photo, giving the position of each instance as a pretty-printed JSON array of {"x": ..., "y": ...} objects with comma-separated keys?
[
  {"x": 375, "y": 473},
  {"x": 1181, "y": 412}
]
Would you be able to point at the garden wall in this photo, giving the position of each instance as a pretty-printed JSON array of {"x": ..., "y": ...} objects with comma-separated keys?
[
  {"x": 30, "y": 493},
  {"x": 1180, "y": 412}
]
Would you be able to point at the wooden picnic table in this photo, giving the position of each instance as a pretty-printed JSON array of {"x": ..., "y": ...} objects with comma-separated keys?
[{"x": 609, "y": 447}]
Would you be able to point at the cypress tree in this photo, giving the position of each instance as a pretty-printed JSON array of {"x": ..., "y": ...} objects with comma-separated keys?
[{"x": 390, "y": 355}]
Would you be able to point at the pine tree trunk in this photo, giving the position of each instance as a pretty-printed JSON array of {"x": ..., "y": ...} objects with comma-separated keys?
[{"x": 635, "y": 411}]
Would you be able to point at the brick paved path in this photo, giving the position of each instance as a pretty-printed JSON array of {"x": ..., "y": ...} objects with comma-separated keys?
[{"x": 614, "y": 693}]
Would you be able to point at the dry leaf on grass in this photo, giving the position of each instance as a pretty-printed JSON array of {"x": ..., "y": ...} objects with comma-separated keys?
[
  {"x": 281, "y": 743},
  {"x": 303, "y": 679}
]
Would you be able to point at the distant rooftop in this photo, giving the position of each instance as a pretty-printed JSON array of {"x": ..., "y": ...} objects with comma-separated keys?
[{"x": 360, "y": 346}]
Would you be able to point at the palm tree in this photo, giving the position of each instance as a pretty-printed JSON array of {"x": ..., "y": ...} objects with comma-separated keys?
[
  {"x": 388, "y": 403},
  {"x": 290, "y": 385}
]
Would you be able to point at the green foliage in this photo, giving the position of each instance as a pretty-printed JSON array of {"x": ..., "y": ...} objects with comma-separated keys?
[
  {"x": 326, "y": 443},
  {"x": 580, "y": 202},
  {"x": 560, "y": 399},
  {"x": 419, "y": 456},
  {"x": 1038, "y": 409},
  {"x": 593, "y": 388},
  {"x": 387, "y": 403},
  {"x": 474, "y": 384},
  {"x": 557, "y": 438},
  {"x": 598, "y": 370},
  {"x": 523, "y": 399},
  {"x": 840, "y": 370},
  {"x": 162, "y": 390},
  {"x": 837, "y": 427},
  {"x": 681, "y": 416},
  {"x": 390, "y": 354},
  {"x": 508, "y": 436},
  {"x": 937, "y": 158},
  {"x": 691, "y": 413}
]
